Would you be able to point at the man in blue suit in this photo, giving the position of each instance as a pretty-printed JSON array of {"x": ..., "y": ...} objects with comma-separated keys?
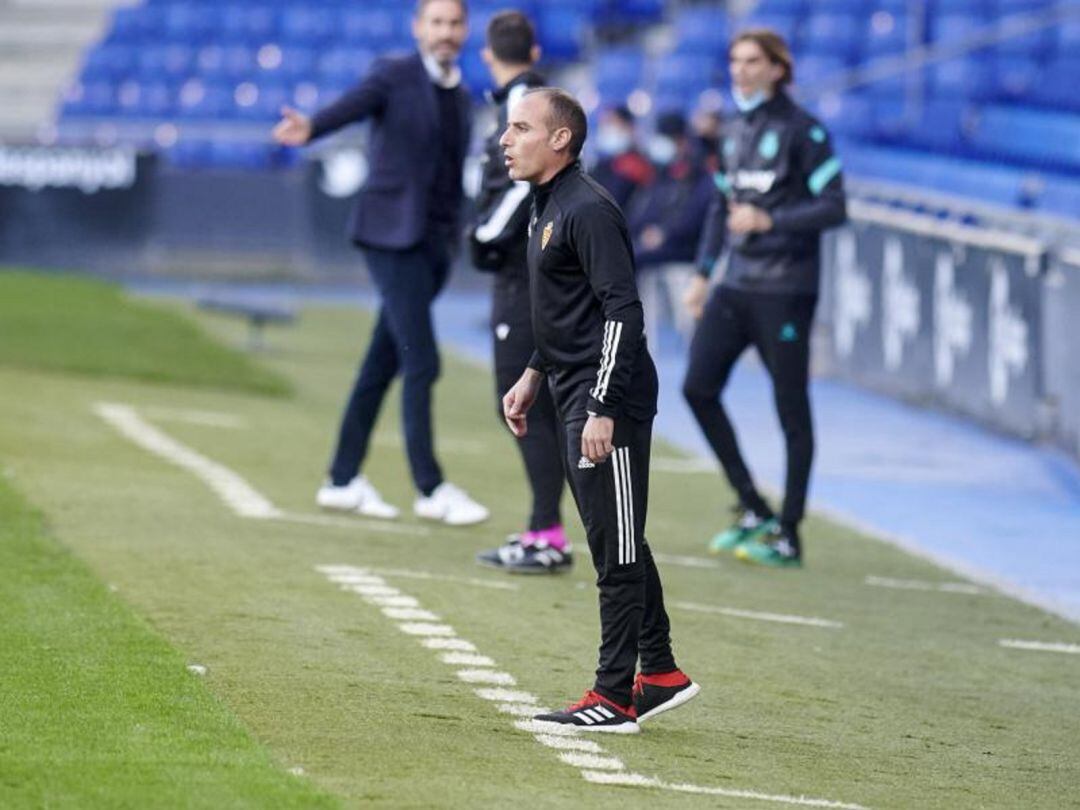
[{"x": 406, "y": 222}]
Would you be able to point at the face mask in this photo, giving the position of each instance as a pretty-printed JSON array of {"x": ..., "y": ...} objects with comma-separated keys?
[
  {"x": 662, "y": 149},
  {"x": 612, "y": 140},
  {"x": 750, "y": 102}
]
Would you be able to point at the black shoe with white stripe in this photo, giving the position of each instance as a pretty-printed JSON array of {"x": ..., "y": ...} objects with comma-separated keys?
[
  {"x": 537, "y": 557},
  {"x": 656, "y": 694},
  {"x": 594, "y": 713}
]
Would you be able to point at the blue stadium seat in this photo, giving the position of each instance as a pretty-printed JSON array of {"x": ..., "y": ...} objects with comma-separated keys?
[
  {"x": 846, "y": 115},
  {"x": 1060, "y": 196},
  {"x": 618, "y": 72},
  {"x": 250, "y": 24},
  {"x": 854, "y": 7},
  {"x": 1034, "y": 44},
  {"x": 885, "y": 33},
  {"x": 940, "y": 125},
  {"x": 165, "y": 63},
  {"x": 93, "y": 98},
  {"x": 109, "y": 63},
  {"x": 835, "y": 34},
  {"x": 145, "y": 100},
  {"x": 297, "y": 62},
  {"x": 967, "y": 77},
  {"x": 1058, "y": 83},
  {"x": 786, "y": 25},
  {"x": 230, "y": 62},
  {"x": 135, "y": 24},
  {"x": 701, "y": 29},
  {"x": 307, "y": 25},
  {"x": 953, "y": 28},
  {"x": 562, "y": 30},
  {"x": 1067, "y": 37},
  {"x": 1016, "y": 77},
  {"x": 789, "y": 7},
  {"x": 344, "y": 65},
  {"x": 202, "y": 99},
  {"x": 1036, "y": 136},
  {"x": 190, "y": 22},
  {"x": 969, "y": 8},
  {"x": 639, "y": 10},
  {"x": 475, "y": 73},
  {"x": 812, "y": 70}
]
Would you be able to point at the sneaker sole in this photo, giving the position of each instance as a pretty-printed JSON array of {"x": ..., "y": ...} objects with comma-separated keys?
[
  {"x": 533, "y": 572},
  {"x": 622, "y": 728},
  {"x": 675, "y": 702}
]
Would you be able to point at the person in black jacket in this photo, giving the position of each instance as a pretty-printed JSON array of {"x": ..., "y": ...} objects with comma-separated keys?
[
  {"x": 590, "y": 349},
  {"x": 620, "y": 167},
  {"x": 406, "y": 222},
  {"x": 666, "y": 223},
  {"x": 779, "y": 188},
  {"x": 497, "y": 240}
]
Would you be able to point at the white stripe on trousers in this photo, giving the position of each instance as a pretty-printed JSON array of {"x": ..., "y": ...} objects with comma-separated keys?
[
  {"x": 612, "y": 335},
  {"x": 624, "y": 505}
]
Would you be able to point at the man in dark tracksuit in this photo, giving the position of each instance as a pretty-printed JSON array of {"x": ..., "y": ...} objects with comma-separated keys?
[
  {"x": 780, "y": 187},
  {"x": 406, "y": 221},
  {"x": 497, "y": 242},
  {"x": 588, "y": 325}
]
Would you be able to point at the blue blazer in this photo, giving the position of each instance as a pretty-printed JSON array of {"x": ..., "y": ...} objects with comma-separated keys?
[{"x": 398, "y": 96}]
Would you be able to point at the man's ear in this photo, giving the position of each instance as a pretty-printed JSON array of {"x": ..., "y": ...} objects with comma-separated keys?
[
  {"x": 487, "y": 56},
  {"x": 535, "y": 53},
  {"x": 560, "y": 139}
]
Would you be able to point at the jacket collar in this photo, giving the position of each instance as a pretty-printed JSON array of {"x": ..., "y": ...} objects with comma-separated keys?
[
  {"x": 528, "y": 78},
  {"x": 447, "y": 80}
]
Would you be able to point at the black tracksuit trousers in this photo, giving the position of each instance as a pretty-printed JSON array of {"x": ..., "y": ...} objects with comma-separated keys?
[
  {"x": 778, "y": 325},
  {"x": 612, "y": 498}
]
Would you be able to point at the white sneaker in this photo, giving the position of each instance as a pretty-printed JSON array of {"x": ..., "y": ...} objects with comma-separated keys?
[
  {"x": 451, "y": 505},
  {"x": 356, "y": 496}
]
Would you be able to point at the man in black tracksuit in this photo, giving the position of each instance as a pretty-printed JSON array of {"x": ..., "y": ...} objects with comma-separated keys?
[
  {"x": 497, "y": 241},
  {"x": 779, "y": 188},
  {"x": 590, "y": 348}
]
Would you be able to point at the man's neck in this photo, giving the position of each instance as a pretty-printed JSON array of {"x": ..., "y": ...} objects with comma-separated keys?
[
  {"x": 551, "y": 173},
  {"x": 503, "y": 73},
  {"x": 448, "y": 75}
]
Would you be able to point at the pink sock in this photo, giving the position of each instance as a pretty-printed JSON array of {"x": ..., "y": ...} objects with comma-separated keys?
[{"x": 553, "y": 536}]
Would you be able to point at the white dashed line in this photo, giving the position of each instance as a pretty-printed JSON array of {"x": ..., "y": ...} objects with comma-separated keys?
[
  {"x": 637, "y": 780},
  {"x": 466, "y": 659},
  {"x": 919, "y": 585},
  {"x": 590, "y": 761},
  {"x": 449, "y": 644},
  {"x": 780, "y": 618},
  {"x": 486, "y": 676},
  {"x": 1041, "y": 646},
  {"x": 410, "y": 614},
  {"x": 569, "y": 743},
  {"x": 506, "y": 695},
  {"x": 425, "y": 629}
]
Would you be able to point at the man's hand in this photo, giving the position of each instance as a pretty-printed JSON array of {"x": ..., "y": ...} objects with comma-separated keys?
[
  {"x": 596, "y": 438},
  {"x": 519, "y": 399},
  {"x": 294, "y": 128},
  {"x": 695, "y": 296},
  {"x": 743, "y": 218}
]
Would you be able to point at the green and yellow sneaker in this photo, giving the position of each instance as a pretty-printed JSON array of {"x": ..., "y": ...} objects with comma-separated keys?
[
  {"x": 749, "y": 527},
  {"x": 779, "y": 548}
]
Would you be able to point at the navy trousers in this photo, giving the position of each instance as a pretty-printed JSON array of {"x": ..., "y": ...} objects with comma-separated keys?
[{"x": 403, "y": 342}]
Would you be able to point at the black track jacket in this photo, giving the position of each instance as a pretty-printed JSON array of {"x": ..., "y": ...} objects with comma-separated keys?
[
  {"x": 587, "y": 317},
  {"x": 497, "y": 238},
  {"x": 778, "y": 158}
]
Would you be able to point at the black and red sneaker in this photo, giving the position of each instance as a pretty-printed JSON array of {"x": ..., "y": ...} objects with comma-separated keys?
[
  {"x": 595, "y": 713},
  {"x": 655, "y": 694}
]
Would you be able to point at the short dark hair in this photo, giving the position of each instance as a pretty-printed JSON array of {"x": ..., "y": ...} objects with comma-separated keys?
[
  {"x": 565, "y": 111},
  {"x": 422, "y": 4},
  {"x": 775, "y": 47},
  {"x": 511, "y": 37}
]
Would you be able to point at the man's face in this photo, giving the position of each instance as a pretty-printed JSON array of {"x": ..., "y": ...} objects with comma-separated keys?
[
  {"x": 751, "y": 69},
  {"x": 532, "y": 150},
  {"x": 440, "y": 30}
]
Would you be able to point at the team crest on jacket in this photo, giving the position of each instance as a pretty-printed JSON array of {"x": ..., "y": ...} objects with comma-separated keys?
[{"x": 545, "y": 237}]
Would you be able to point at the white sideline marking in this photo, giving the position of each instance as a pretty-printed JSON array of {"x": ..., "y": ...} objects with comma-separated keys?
[
  {"x": 196, "y": 669},
  {"x": 392, "y": 601},
  {"x": 237, "y": 494},
  {"x": 202, "y": 418},
  {"x": 593, "y": 762},
  {"x": 476, "y": 583},
  {"x": 686, "y": 562},
  {"x": 506, "y": 695},
  {"x": 424, "y": 629},
  {"x": 919, "y": 585},
  {"x": 590, "y": 761},
  {"x": 521, "y": 709},
  {"x": 637, "y": 780},
  {"x": 569, "y": 743},
  {"x": 486, "y": 676},
  {"x": 372, "y": 590},
  {"x": 540, "y": 727},
  {"x": 466, "y": 659},
  {"x": 1041, "y": 646},
  {"x": 780, "y": 618},
  {"x": 357, "y": 579},
  {"x": 411, "y": 614},
  {"x": 448, "y": 643}
]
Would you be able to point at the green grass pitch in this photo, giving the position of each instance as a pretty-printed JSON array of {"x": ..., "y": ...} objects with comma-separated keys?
[{"x": 126, "y": 569}]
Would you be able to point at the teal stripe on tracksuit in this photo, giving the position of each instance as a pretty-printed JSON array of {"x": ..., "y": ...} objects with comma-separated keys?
[{"x": 823, "y": 175}]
